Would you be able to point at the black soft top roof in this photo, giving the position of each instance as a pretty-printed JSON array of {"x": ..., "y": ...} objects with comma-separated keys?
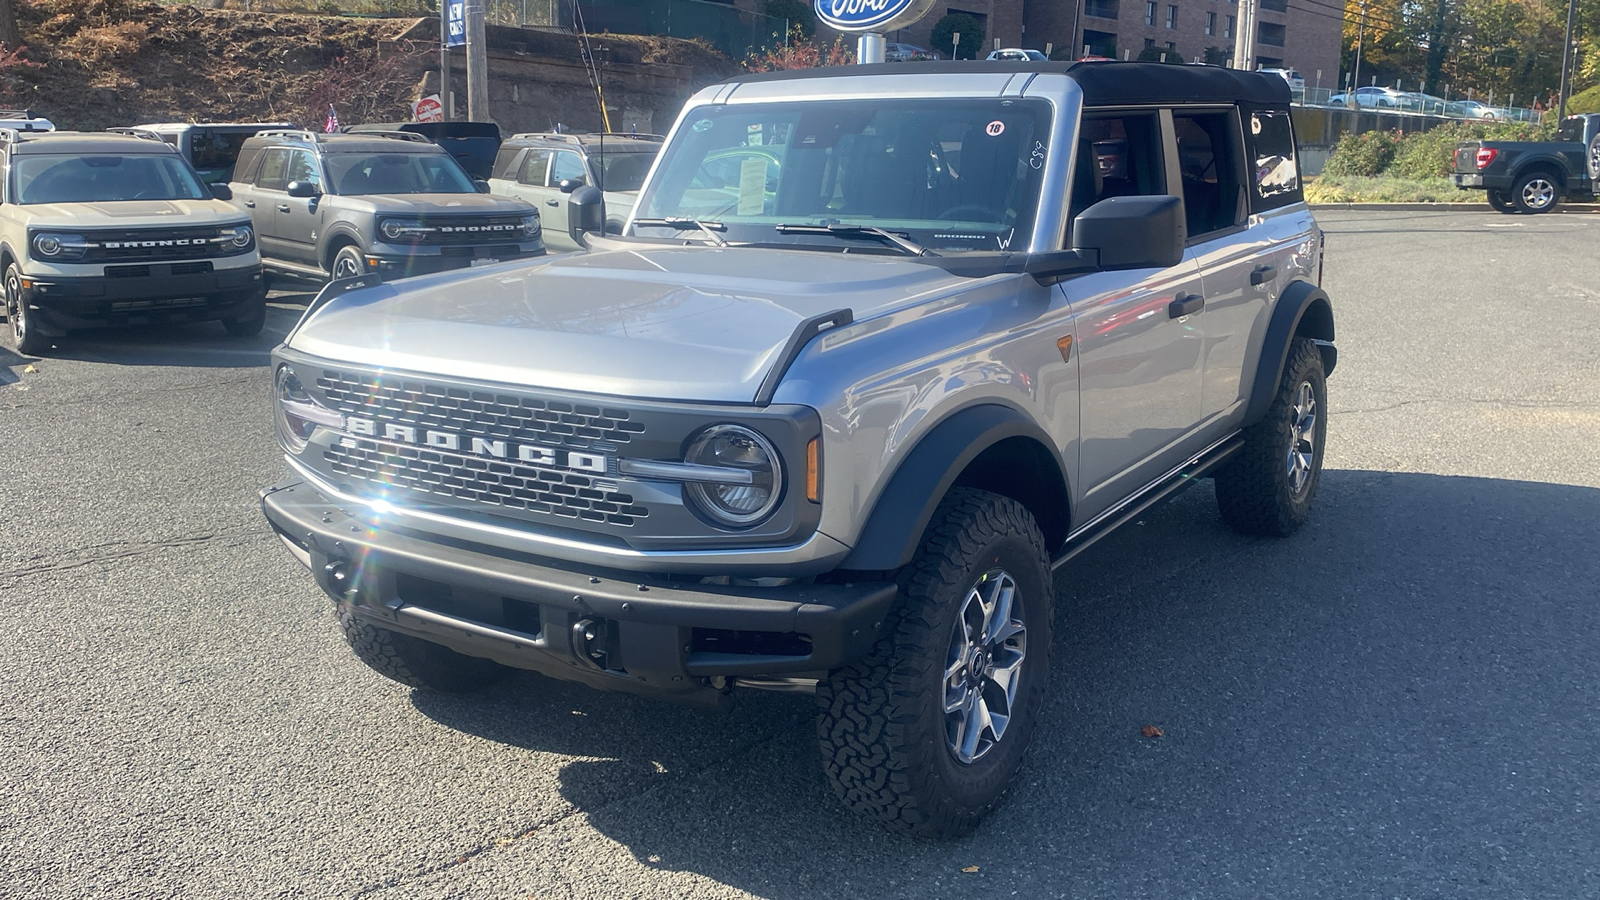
[{"x": 1103, "y": 83}]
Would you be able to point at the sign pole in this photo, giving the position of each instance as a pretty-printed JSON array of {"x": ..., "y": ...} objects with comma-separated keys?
[
  {"x": 870, "y": 48},
  {"x": 477, "y": 64},
  {"x": 453, "y": 33}
]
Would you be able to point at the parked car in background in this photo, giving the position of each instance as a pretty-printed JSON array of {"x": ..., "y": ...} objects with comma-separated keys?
[
  {"x": 341, "y": 205},
  {"x": 1371, "y": 97},
  {"x": 25, "y": 120},
  {"x": 1297, "y": 82},
  {"x": 1016, "y": 54},
  {"x": 1416, "y": 101},
  {"x": 543, "y": 168},
  {"x": 907, "y": 53},
  {"x": 211, "y": 147},
  {"x": 103, "y": 229},
  {"x": 1533, "y": 176},
  {"x": 473, "y": 144},
  {"x": 1472, "y": 109}
]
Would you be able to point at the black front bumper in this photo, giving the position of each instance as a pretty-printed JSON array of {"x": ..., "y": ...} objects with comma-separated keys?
[
  {"x": 610, "y": 630},
  {"x": 432, "y": 260},
  {"x": 152, "y": 294}
]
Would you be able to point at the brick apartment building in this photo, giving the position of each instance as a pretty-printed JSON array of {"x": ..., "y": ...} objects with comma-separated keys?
[{"x": 1305, "y": 36}]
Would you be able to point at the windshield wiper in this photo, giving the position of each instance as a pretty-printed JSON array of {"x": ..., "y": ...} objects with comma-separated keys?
[
  {"x": 683, "y": 223},
  {"x": 910, "y": 247}
]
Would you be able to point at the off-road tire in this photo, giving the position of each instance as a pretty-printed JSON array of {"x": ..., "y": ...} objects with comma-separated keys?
[
  {"x": 1527, "y": 186},
  {"x": 882, "y": 725},
  {"x": 415, "y": 662},
  {"x": 1254, "y": 491},
  {"x": 25, "y": 339},
  {"x": 251, "y": 323},
  {"x": 1499, "y": 201}
]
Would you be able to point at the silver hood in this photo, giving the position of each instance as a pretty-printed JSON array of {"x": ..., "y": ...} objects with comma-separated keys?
[{"x": 646, "y": 321}]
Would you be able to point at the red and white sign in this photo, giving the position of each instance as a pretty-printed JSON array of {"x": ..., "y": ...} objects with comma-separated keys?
[{"x": 428, "y": 109}]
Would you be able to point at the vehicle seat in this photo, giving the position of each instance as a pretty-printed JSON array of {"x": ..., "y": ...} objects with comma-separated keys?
[{"x": 1086, "y": 185}]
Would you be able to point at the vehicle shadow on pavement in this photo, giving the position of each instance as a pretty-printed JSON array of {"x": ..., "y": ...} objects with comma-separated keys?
[
  {"x": 9, "y": 363},
  {"x": 1398, "y": 697},
  {"x": 188, "y": 345}
]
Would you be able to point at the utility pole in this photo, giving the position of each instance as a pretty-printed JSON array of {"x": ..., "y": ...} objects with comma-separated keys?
[
  {"x": 1072, "y": 45},
  {"x": 1361, "y": 33},
  {"x": 1566, "y": 61},
  {"x": 477, "y": 64},
  {"x": 1244, "y": 44}
]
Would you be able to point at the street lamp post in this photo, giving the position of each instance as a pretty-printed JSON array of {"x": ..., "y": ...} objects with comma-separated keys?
[{"x": 1566, "y": 60}]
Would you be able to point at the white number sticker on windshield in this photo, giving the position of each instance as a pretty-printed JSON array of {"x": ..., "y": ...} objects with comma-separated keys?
[{"x": 753, "y": 186}]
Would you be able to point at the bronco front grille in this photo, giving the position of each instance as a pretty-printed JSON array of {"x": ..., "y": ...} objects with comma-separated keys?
[
  {"x": 569, "y": 495},
  {"x": 477, "y": 413},
  {"x": 472, "y": 230},
  {"x": 491, "y": 415}
]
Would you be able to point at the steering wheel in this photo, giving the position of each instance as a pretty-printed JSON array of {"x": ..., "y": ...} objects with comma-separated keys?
[{"x": 983, "y": 213}]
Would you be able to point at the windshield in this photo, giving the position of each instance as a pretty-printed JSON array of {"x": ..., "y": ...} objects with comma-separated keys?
[
  {"x": 100, "y": 179},
  {"x": 622, "y": 170},
  {"x": 948, "y": 174},
  {"x": 353, "y": 174}
]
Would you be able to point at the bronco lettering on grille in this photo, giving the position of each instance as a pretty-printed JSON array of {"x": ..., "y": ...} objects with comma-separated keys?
[{"x": 531, "y": 454}]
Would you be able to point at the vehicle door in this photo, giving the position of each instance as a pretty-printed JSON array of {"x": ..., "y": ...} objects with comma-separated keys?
[
  {"x": 267, "y": 199},
  {"x": 1236, "y": 260},
  {"x": 565, "y": 165},
  {"x": 531, "y": 183},
  {"x": 1136, "y": 333},
  {"x": 299, "y": 218}
]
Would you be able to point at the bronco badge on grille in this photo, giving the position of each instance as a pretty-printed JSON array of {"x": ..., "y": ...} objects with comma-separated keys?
[{"x": 532, "y": 454}]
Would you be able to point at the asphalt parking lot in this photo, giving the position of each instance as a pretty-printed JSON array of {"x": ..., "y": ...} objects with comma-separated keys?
[{"x": 1399, "y": 701}]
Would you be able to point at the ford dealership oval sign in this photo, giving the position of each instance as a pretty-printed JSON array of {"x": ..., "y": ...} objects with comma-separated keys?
[{"x": 871, "y": 15}]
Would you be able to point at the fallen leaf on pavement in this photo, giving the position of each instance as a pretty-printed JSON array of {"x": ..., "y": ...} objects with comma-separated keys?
[
  {"x": 969, "y": 869},
  {"x": 1151, "y": 731},
  {"x": 30, "y": 370}
]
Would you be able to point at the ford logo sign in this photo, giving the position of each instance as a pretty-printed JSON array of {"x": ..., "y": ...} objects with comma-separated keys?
[{"x": 871, "y": 15}]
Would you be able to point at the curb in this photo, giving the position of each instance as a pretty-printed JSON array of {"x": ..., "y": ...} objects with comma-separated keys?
[{"x": 1442, "y": 207}]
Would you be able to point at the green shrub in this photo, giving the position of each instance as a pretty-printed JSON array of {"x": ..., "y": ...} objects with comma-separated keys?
[
  {"x": 1368, "y": 154},
  {"x": 1584, "y": 101}
]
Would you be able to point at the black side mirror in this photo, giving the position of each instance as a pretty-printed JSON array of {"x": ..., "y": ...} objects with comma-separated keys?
[
  {"x": 481, "y": 185},
  {"x": 1132, "y": 232},
  {"x": 568, "y": 185},
  {"x": 221, "y": 192},
  {"x": 586, "y": 214},
  {"x": 303, "y": 189}
]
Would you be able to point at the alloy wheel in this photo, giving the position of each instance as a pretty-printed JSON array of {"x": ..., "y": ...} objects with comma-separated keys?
[
  {"x": 345, "y": 267},
  {"x": 983, "y": 666},
  {"x": 1538, "y": 193},
  {"x": 1302, "y": 438},
  {"x": 16, "y": 315}
]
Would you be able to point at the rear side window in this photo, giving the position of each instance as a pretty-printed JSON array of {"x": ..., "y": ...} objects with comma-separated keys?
[
  {"x": 1571, "y": 130},
  {"x": 1275, "y": 171},
  {"x": 1208, "y": 162},
  {"x": 535, "y": 167},
  {"x": 505, "y": 162},
  {"x": 274, "y": 170}
]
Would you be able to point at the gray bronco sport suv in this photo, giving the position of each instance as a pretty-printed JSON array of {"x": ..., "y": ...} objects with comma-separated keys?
[
  {"x": 831, "y": 431},
  {"x": 393, "y": 203}
]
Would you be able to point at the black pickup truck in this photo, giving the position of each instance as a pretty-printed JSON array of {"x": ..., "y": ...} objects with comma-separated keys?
[{"x": 1533, "y": 176}]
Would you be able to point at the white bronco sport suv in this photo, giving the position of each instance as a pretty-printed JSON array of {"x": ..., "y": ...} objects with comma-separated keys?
[
  {"x": 117, "y": 229},
  {"x": 830, "y": 429}
]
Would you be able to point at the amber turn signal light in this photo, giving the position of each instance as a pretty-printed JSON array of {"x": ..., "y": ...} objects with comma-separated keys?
[{"x": 814, "y": 471}]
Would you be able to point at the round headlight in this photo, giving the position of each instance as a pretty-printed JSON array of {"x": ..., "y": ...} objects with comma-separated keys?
[
  {"x": 242, "y": 235},
  {"x": 47, "y": 244},
  {"x": 293, "y": 431},
  {"x": 393, "y": 229},
  {"x": 738, "y": 448},
  {"x": 530, "y": 226}
]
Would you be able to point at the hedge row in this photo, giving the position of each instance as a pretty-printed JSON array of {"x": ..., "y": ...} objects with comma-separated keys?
[{"x": 1423, "y": 154}]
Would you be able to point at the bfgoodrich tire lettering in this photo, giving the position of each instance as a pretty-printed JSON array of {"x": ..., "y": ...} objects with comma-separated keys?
[
  {"x": 414, "y": 662},
  {"x": 1268, "y": 487},
  {"x": 884, "y": 728}
]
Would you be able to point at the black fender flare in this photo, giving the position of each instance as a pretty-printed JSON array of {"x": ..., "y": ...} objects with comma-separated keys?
[
  {"x": 1553, "y": 164},
  {"x": 1302, "y": 310},
  {"x": 902, "y": 511},
  {"x": 339, "y": 233}
]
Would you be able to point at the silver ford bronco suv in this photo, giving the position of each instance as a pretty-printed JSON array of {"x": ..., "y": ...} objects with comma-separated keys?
[{"x": 829, "y": 429}]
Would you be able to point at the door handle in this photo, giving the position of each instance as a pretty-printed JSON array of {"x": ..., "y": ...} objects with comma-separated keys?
[
  {"x": 552, "y": 203},
  {"x": 1263, "y": 274},
  {"x": 249, "y": 204},
  {"x": 283, "y": 207},
  {"x": 1184, "y": 305}
]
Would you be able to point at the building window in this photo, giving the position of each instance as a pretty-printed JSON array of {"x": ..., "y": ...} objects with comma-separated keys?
[
  {"x": 1211, "y": 23},
  {"x": 1275, "y": 5},
  {"x": 1100, "y": 43},
  {"x": 1150, "y": 13},
  {"x": 1100, "y": 9},
  {"x": 1172, "y": 48},
  {"x": 1271, "y": 34},
  {"x": 1233, "y": 22},
  {"x": 1172, "y": 17},
  {"x": 1149, "y": 43}
]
